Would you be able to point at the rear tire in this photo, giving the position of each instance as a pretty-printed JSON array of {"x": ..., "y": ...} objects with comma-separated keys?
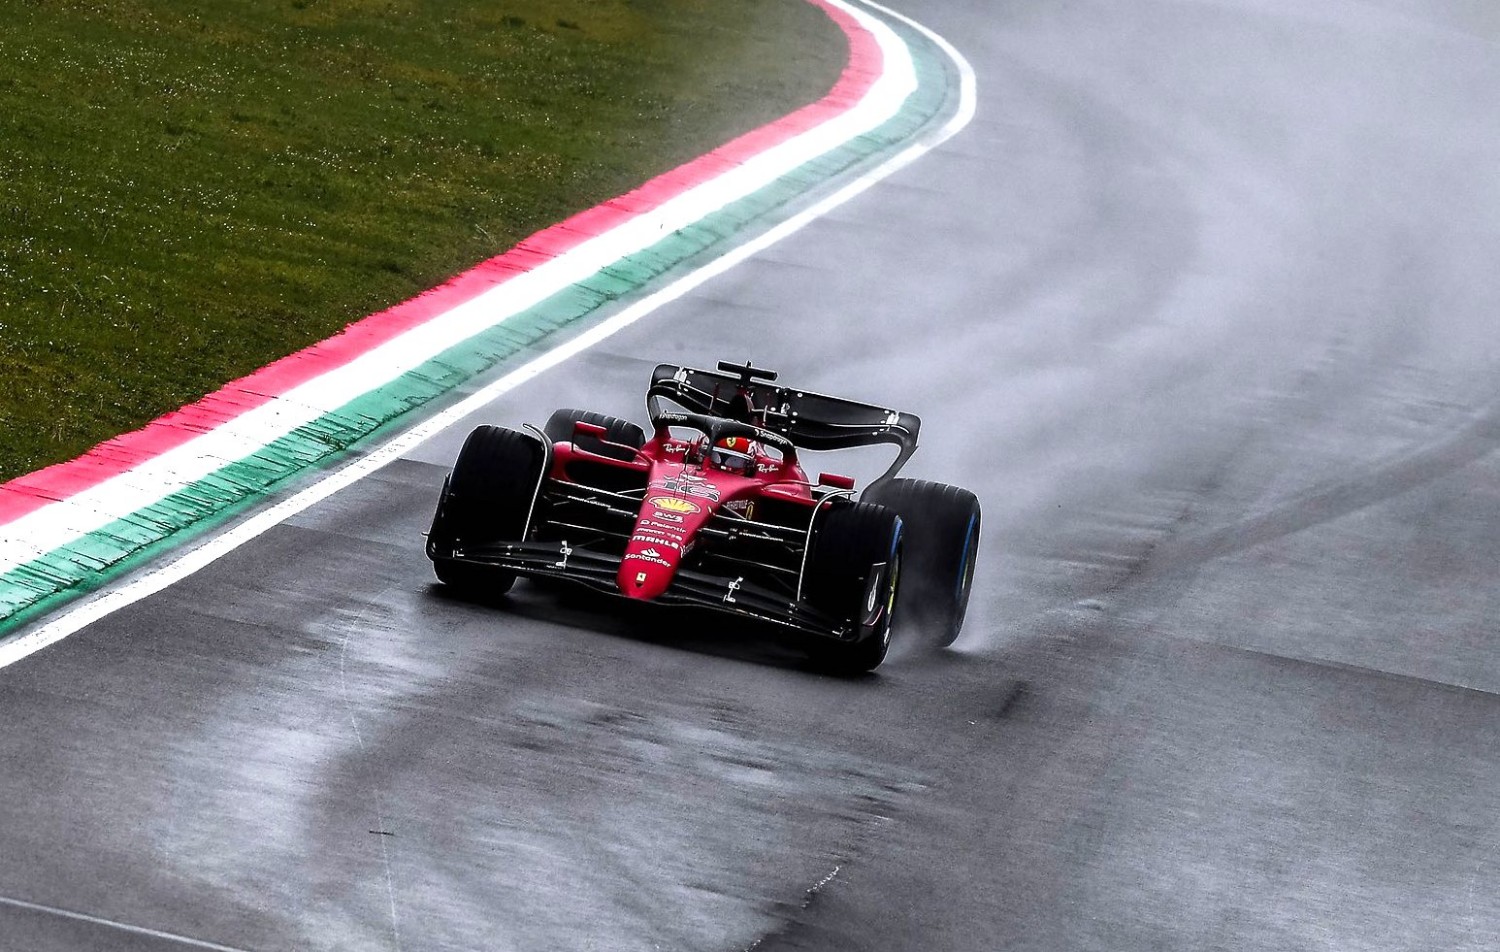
[
  {"x": 487, "y": 499},
  {"x": 942, "y": 541},
  {"x": 854, "y": 573},
  {"x": 559, "y": 429}
]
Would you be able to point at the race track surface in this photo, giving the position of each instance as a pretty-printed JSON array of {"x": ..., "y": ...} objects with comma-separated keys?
[{"x": 1203, "y": 305}]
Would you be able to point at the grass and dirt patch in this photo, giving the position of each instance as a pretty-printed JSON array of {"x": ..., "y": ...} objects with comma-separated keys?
[{"x": 190, "y": 189}]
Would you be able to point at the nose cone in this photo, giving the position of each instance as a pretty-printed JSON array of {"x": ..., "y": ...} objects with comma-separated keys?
[
  {"x": 647, "y": 570},
  {"x": 662, "y": 532}
]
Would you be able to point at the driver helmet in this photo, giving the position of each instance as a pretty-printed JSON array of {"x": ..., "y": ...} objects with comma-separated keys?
[{"x": 734, "y": 454}]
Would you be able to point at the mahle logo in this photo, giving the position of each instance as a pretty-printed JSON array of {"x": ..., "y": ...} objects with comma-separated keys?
[{"x": 673, "y": 504}]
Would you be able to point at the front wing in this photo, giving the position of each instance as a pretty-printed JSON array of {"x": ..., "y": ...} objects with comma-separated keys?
[
  {"x": 599, "y": 521},
  {"x": 598, "y": 571}
]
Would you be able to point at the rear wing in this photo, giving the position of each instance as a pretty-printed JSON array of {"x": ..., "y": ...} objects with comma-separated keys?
[{"x": 811, "y": 421}]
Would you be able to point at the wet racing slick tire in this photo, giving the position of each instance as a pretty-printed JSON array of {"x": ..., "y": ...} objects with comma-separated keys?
[
  {"x": 942, "y": 541},
  {"x": 487, "y": 498},
  {"x": 854, "y": 572},
  {"x": 559, "y": 429}
]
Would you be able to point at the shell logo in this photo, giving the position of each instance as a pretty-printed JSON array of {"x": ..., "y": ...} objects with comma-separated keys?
[{"x": 673, "y": 504}]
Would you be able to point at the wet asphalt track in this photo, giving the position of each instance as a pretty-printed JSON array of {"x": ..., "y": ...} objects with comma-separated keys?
[{"x": 1203, "y": 305}]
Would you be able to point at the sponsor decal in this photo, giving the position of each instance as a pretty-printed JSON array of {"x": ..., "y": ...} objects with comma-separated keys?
[
  {"x": 745, "y": 507},
  {"x": 656, "y": 540},
  {"x": 673, "y": 504},
  {"x": 640, "y": 579},
  {"x": 668, "y": 517},
  {"x": 654, "y": 554},
  {"x": 764, "y": 468},
  {"x": 661, "y": 528},
  {"x": 654, "y": 560},
  {"x": 690, "y": 486}
]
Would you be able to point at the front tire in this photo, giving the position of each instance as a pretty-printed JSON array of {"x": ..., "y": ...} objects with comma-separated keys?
[
  {"x": 487, "y": 499},
  {"x": 942, "y": 543},
  {"x": 854, "y": 573}
]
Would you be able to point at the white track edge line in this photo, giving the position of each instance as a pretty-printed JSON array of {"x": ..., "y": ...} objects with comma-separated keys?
[
  {"x": 73, "y": 619},
  {"x": 117, "y": 925}
]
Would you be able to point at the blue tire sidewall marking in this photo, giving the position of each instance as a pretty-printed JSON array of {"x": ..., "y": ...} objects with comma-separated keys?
[{"x": 963, "y": 567}]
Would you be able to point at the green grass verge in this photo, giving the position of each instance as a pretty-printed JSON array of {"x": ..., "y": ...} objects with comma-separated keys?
[{"x": 193, "y": 188}]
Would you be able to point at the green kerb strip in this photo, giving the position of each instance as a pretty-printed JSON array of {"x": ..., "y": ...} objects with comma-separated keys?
[{"x": 90, "y": 562}]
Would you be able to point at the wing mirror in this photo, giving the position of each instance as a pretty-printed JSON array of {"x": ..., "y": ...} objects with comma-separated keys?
[
  {"x": 580, "y": 428},
  {"x": 835, "y": 481}
]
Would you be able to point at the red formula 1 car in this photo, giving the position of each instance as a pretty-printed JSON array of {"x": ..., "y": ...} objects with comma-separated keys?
[{"x": 715, "y": 510}]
